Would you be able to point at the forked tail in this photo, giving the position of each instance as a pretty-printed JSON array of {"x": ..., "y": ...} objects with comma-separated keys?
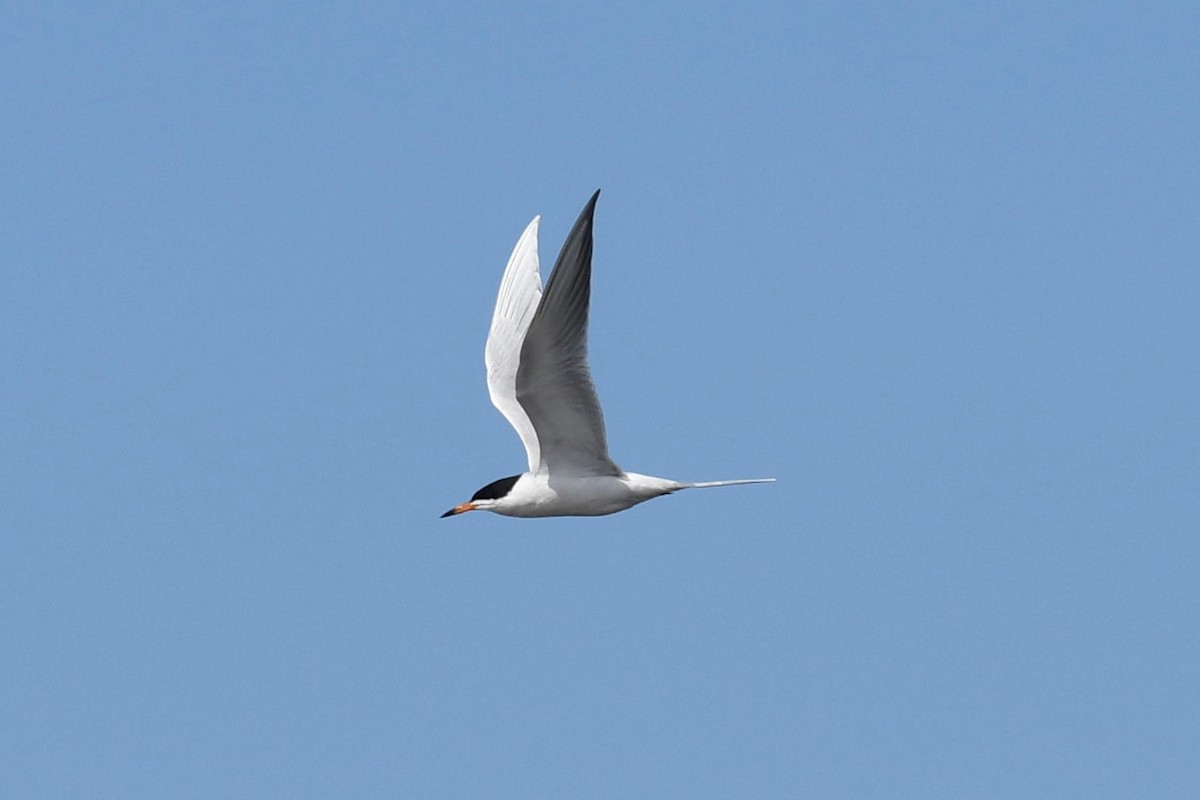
[{"x": 710, "y": 484}]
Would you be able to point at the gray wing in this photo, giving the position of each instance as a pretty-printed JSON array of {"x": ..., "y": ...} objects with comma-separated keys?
[
  {"x": 554, "y": 385},
  {"x": 516, "y": 303}
]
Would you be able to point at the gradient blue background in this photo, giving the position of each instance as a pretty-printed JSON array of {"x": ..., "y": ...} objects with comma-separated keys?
[{"x": 934, "y": 266}]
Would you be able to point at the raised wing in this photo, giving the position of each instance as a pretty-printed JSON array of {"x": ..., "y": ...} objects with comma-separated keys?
[
  {"x": 520, "y": 291},
  {"x": 554, "y": 385}
]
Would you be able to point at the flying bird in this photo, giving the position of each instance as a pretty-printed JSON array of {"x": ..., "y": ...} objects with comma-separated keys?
[{"x": 538, "y": 378}]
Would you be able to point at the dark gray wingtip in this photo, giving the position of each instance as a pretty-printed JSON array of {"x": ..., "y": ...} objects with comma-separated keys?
[
  {"x": 570, "y": 282},
  {"x": 589, "y": 211}
]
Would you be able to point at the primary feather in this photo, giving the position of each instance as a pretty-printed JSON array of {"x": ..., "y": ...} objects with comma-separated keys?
[{"x": 554, "y": 385}]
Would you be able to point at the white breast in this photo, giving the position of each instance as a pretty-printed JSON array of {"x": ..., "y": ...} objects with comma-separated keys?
[{"x": 591, "y": 495}]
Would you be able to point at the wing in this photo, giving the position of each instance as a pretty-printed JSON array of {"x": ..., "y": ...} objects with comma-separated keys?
[
  {"x": 520, "y": 291},
  {"x": 554, "y": 385}
]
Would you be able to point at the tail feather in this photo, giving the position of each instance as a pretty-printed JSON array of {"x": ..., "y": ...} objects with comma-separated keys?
[{"x": 740, "y": 482}]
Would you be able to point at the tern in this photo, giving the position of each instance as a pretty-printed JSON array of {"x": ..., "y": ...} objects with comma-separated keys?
[{"x": 538, "y": 378}]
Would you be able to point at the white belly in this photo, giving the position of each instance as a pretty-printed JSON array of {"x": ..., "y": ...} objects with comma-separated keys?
[{"x": 571, "y": 496}]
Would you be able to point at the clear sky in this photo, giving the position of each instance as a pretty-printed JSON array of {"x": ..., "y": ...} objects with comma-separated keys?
[{"x": 934, "y": 266}]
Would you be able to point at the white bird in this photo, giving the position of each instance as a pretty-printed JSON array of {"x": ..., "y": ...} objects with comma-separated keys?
[{"x": 538, "y": 377}]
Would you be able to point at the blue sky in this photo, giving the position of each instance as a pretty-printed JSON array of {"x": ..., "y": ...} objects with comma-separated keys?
[{"x": 934, "y": 266}]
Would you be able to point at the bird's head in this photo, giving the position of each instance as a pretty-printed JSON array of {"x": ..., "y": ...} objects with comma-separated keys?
[{"x": 487, "y": 498}]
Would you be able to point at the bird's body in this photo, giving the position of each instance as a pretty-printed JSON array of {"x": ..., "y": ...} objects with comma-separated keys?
[
  {"x": 538, "y": 378},
  {"x": 540, "y": 495}
]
